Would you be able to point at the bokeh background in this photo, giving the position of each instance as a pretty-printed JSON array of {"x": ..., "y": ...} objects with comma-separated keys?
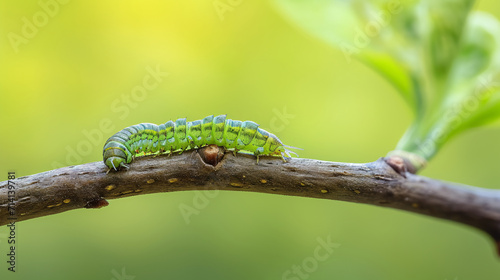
[{"x": 77, "y": 80}]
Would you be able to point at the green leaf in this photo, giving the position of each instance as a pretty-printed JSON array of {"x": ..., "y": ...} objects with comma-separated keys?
[
  {"x": 443, "y": 60},
  {"x": 389, "y": 36},
  {"x": 470, "y": 94}
]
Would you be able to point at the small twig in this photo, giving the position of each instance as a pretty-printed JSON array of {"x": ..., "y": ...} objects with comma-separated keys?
[{"x": 376, "y": 183}]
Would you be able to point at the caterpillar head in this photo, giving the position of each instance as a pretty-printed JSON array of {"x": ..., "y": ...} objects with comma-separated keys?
[
  {"x": 284, "y": 152},
  {"x": 115, "y": 155},
  {"x": 276, "y": 147}
]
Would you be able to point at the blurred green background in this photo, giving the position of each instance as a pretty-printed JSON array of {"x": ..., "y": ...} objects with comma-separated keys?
[{"x": 85, "y": 65}]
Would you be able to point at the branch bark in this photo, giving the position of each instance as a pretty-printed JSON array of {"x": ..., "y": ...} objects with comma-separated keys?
[{"x": 376, "y": 183}]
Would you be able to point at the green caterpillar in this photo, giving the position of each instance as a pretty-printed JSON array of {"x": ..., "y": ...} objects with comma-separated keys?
[{"x": 148, "y": 139}]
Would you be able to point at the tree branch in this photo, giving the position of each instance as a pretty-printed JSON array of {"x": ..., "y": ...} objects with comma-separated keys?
[{"x": 376, "y": 183}]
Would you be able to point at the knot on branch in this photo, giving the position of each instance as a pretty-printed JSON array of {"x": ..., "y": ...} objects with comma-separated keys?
[
  {"x": 402, "y": 162},
  {"x": 212, "y": 154}
]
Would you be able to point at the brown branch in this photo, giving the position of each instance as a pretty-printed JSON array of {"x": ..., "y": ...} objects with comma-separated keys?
[{"x": 376, "y": 183}]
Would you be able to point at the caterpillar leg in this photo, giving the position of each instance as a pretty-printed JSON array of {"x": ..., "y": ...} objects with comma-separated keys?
[
  {"x": 113, "y": 166},
  {"x": 283, "y": 158},
  {"x": 191, "y": 142},
  {"x": 110, "y": 163},
  {"x": 257, "y": 153},
  {"x": 235, "y": 151}
]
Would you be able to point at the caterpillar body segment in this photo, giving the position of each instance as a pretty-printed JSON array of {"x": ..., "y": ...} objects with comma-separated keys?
[
  {"x": 194, "y": 134},
  {"x": 218, "y": 130},
  {"x": 231, "y": 132},
  {"x": 206, "y": 130},
  {"x": 180, "y": 135}
]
